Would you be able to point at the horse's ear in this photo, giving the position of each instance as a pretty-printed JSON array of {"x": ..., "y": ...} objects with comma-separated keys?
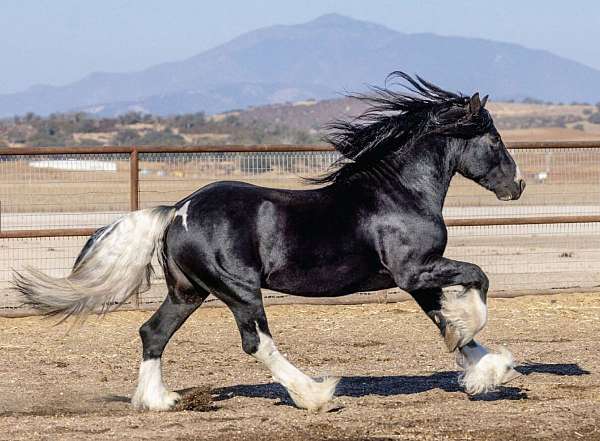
[
  {"x": 484, "y": 100},
  {"x": 474, "y": 104}
]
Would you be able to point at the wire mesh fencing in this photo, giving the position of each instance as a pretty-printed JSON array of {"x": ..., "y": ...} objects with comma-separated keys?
[
  {"x": 60, "y": 191},
  {"x": 166, "y": 178},
  {"x": 73, "y": 191},
  {"x": 559, "y": 181}
]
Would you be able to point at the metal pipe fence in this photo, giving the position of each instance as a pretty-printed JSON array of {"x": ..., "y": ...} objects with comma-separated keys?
[{"x": 51, "y": 199}]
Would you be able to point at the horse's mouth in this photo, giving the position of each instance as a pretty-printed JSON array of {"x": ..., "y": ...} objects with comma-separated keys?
[{"x": 507, "y": 195}]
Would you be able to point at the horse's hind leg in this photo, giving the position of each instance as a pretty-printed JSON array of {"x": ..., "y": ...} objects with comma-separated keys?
[
  {"x": 151, "y": 392},
  {"x": 257, "y": 341}
]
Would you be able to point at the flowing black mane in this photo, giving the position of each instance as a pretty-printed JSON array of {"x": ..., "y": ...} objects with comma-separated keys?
[{"x": 395, "y": 120}]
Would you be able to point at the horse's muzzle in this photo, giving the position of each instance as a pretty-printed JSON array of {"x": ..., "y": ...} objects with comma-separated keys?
[
  {"x": 512, "y": 192},
  {"x": 521, "y": 185}
]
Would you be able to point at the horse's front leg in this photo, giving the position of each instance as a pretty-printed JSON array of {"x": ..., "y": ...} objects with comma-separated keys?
[{"x": 460, "y": 316}]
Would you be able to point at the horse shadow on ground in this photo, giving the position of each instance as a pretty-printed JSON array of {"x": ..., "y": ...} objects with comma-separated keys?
[
  {"x": 561, "y": 369},
  {"x": 361, "y": 386},
  {"x": 391, "y": 385}
]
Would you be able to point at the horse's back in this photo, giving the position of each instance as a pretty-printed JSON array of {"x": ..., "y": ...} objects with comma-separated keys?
[{"x": 245, "y": 190}]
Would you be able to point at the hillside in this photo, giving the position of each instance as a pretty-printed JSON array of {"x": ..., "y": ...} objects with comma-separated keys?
[{"x": 298, "y": 123}]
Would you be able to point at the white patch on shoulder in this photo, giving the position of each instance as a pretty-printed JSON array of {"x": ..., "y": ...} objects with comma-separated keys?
[
  {"x": 484, "y": 370},
  {"x": 183, "y": 213},
  {"x": 306, "y": 392},
  {"x": 151, "y": 392}
]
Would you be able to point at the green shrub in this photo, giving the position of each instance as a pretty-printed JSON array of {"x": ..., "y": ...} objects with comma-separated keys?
[
  {"x": 126, "y": 137},
  {"x": 130, "y": 118},
  {"x": 594, "y": 118},
  {"x": 89, "y": 142},
  {"x": 165, "y": 137},
  {"x": 50, "y": 138}
]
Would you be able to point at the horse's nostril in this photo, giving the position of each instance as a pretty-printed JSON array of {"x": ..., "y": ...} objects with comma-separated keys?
[{"x": 522, "y": 184}]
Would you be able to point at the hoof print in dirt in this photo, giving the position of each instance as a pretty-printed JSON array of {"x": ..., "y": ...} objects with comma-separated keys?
[{"x": 198, "y": 399}]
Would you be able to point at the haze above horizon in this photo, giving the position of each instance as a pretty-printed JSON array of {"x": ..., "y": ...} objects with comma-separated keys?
[{"x": 61, "y": 41}]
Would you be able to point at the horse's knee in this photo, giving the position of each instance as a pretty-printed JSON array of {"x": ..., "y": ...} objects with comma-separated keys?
[
  {"x": 464, "y": 315},
  {"x": 479, "y": 280}
]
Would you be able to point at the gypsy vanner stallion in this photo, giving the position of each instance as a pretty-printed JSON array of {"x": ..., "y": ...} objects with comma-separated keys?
[{"x": 374, "y": 223}]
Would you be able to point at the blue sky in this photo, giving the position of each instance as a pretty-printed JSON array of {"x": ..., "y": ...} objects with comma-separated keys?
[{"x": 60, "y": 41}]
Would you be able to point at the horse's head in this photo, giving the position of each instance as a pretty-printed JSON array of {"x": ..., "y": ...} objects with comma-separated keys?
[
  {"x": 484, "y": 158},
  {"x": 428, "y": 116}
]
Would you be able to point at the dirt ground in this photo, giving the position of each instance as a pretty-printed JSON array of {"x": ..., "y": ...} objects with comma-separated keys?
[{"x": 398, "y": 381}]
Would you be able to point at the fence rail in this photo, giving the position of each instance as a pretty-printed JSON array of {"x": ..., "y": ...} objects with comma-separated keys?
[
  {"x": 553, "y": 232},
  {"x": 466, "y": 222},
  {"x": 134, "y": 188},
  {"x": 258, "y": 148}
]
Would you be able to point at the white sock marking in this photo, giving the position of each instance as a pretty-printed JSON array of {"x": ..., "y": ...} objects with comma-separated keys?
[
  {"x": 484, "y": 370},
  {"x": 183, "y": 213},
  {"x": 306, "y": 392},
  {"x": 465, "y": 312},
  {"x": 151, "y": 392}
]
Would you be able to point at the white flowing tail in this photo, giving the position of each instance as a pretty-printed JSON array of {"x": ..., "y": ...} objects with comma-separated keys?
[{"x": 114, "y": 264}]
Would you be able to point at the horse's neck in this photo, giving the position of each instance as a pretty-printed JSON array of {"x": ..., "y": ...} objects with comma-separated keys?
[{"x": 422, "y": 174}]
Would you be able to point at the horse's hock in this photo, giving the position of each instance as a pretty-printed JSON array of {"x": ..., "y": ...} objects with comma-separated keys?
[{"x": 51, "y": 199}]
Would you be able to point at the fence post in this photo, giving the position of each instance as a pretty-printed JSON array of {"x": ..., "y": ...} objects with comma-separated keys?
[
  {"x": 134, "y": 195},
  {"x": 134, "y": 184}
]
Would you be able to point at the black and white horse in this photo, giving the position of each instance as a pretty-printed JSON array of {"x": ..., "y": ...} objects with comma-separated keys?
[{"x": 377, "y": 224}]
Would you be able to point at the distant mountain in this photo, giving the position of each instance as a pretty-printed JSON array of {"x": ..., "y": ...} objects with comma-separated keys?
[{"x": 318, "y": 59}]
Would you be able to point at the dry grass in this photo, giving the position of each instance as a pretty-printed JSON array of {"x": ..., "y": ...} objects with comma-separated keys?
[
  {"x": 592, "y": 133},
  {"x": 502, "y": 109}
]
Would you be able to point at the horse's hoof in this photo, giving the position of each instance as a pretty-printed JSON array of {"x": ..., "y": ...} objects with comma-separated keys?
[
  {"x": 316, "y": 395},
  {"x": 485, "y": 370},
  {"x": 162, "y": 401}
]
